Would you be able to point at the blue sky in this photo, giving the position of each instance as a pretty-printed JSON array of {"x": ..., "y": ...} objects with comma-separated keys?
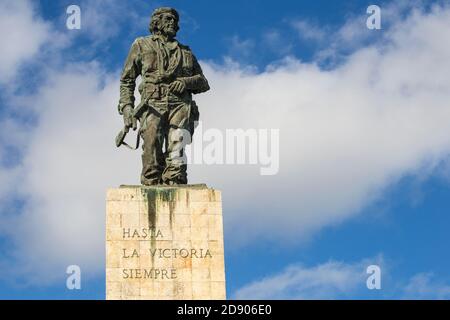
[{"x": 364, "y": 148}]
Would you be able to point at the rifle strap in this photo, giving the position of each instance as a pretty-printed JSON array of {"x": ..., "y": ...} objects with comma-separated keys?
[{"x": 137, "y": 141}]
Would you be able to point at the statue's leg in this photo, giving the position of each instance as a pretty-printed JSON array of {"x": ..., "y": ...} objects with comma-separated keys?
[
  {"x": 176, "y": 167},
  {"x": 152, "y": 156}
]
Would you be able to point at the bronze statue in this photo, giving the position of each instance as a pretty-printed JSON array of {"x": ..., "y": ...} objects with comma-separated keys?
[{"x": 170, "y": 75}]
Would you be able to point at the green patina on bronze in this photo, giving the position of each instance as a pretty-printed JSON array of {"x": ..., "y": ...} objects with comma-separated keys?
[{"x": 167, "y": 114}]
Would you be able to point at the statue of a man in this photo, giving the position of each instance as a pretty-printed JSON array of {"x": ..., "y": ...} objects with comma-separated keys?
[{"x": 170, "y": 75}]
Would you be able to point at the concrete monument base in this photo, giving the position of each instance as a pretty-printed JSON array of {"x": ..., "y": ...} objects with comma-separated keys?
[{"x": 164, "y": 242}]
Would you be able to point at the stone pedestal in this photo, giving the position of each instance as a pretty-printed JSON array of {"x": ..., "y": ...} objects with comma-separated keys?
[{"x": 164, "y": 243}]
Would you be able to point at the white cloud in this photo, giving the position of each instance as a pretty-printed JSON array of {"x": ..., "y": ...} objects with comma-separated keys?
[
  {"x": 346, "y": 135},
  {"x": 71, "y": 161},
  {"x": 329, "y": 280},
  {"x": 335, "y": 43},
  {"x": 275, "y": 41},
  {"x": 424, "y": 286},
  {"x": 241, "y": 47},
  {"x": 309, "y": 31},
  {"x": 340, "y": 280},
  {"x": 23, "y": 35},
  {"x": 103, "y": 19}
]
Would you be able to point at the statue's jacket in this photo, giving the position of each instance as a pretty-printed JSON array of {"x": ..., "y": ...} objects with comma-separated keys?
[{"x": 159, "y": 64}]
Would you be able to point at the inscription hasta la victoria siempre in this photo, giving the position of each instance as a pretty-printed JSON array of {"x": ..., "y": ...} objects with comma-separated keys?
[
  {"x": 170, "y": 253},
  {"x": 142, "y": 233},
  {"x": 149, "y": 234}
]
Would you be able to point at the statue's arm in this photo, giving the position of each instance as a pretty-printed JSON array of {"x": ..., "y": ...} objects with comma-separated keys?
[
  {"x": 131, "y": 70},
  {"x": 197, "y": 83}
]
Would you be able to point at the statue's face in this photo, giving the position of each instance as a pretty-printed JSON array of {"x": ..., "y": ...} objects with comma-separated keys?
[{"x": 168, "y": 24}]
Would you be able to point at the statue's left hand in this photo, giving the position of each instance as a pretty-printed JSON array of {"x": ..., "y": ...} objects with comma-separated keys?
[
  {"x": 129, "y": 120},
  {"x": 177, "y": 87}
]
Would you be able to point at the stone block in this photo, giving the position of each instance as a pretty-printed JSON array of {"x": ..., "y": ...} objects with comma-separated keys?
[{"x": 164, "y": 243}]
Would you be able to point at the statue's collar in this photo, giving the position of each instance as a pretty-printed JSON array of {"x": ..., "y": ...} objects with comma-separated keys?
[{"x": 172, "y": 44}]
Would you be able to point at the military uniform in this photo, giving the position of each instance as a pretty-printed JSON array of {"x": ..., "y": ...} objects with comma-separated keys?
[{"x": 161, "y": 111}]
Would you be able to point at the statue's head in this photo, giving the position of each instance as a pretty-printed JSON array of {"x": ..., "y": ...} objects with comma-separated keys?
[{"x": 164, "y": 21}]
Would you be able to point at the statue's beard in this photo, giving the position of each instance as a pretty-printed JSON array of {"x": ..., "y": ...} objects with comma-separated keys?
[{"x": 169, "y": 31}]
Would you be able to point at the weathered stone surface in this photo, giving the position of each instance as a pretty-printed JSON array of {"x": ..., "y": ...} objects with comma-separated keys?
[{"x": 164, "y": 243}]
